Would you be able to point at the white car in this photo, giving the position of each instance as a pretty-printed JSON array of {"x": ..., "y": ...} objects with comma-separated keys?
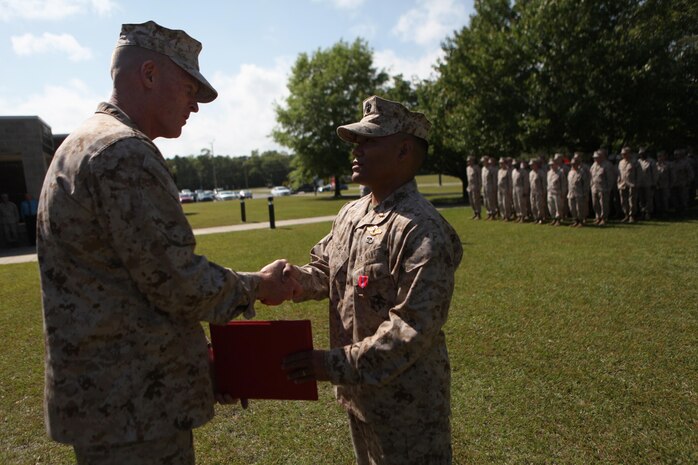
[
  {"x": 279, "y": 191},
  {"x": 226, "y": 195}
]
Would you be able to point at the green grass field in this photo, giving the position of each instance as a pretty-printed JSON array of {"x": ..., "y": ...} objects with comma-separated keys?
[{"x": 568, "y": 346}]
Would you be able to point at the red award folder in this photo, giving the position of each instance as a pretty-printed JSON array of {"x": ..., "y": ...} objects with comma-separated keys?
[{"x": 247, "y": 358}]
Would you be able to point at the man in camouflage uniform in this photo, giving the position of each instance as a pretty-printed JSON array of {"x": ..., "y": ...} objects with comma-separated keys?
[
  {"x": 388, "y": 269},
  {"x": 576, "y": 193},
  {"x": 504, "y": 190},
  {"x": 646, "y": 180},
  {"x": 603, "y": 178},
  {"x": 474, "y": 174},
  {"x": 489, "y": 187},
  {"x": 127, "y": 370},
  {"x": 627, "y": 184},
  {"x": 556, "y": 184},
  {"x": 521, "y": 188},
  {"x": 537, "y": 181}
]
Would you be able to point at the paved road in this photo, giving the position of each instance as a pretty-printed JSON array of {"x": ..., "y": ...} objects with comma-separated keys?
[{"x": 27, "y": 254}]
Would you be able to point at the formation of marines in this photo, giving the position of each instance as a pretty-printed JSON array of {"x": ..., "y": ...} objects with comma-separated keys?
[{"x": 631, "y": 186}]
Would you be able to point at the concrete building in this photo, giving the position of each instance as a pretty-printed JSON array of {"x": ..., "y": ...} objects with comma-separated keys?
[{"x": 27, "y": 146}]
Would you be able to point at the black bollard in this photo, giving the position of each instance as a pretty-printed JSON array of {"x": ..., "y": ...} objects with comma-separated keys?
[
  {"x": 242, "y": 209},
  {"x": 272, "y": 224}
]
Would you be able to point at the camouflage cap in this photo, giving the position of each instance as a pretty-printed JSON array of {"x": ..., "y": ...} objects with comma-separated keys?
[
  {"x": 174, "y": 43},
  {"x": 384, "y": 118}
]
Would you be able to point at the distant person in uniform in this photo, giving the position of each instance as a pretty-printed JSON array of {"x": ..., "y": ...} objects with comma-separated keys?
[
  {"x": 520, "y": 184},
  {"x": 683, "y": 180},
  {"x": 603, "y": 178},
  {"x": 474, "y": 177},
  {"x": 576, "y": 193},
  {"x": 127, "y": 369},
  {"x": 627, "y": 184},
  {"x": 646, "y": 180},
  {"x": 555, "y": 183},
  {"x": 9, "y": 221},
  {"x": 387, "y": 268},
  {"x": 489, "y": 188},
  {"x": 537, "y": 181},
  {"x": 504, "y": 192},
  {"x": 27, "y": 211}
]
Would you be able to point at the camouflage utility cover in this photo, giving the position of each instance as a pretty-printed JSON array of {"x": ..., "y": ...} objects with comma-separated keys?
[
  {"x": 389, "y": 274},
  {"x": 123, "y": 292},
  {"x": 384, "y": 118},
  {"x": 174, "y": 43}
]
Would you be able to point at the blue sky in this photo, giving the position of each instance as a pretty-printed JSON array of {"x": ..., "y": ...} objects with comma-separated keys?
[{"x": 56, "y": 55}]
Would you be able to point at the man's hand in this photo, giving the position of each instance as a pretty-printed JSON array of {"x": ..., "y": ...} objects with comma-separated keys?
[
  {"x": 276, "y": 287},
  {"x": 306, "y": 366}
]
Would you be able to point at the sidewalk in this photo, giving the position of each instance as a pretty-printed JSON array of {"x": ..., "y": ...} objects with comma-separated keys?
[{"x": 28, "y": 254}]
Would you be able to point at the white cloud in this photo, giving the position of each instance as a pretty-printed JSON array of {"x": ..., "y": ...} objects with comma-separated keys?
[
  {"x": 431, "y": 21},
  {"x": 242, "y": 117},
  {"x": 63, "y": 107},
  {"x": 29, "y": 44},
  {"x": 52, "y": 10},
  {"x": 421, "y": 68}
]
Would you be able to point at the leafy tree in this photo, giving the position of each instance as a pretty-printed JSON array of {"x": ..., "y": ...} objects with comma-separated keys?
[{"x": 326, "y": 90}]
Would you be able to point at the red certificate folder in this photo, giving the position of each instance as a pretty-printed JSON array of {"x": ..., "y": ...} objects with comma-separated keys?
[{"x": 247, "y": 358}]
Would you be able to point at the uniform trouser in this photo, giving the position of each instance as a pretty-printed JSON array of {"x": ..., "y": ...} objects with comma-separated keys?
[
  {"x": 577, "y": 207},
  {"x": 661, "y": 199},
  {"x": 491, "y": 201},
  {"x": 475, "y": 201},
  {"x": 520, "y": 204},
  {"x": 504, "y": 203},
  {"x": 628, "y": 200},
  {"x": 169, "y": 450},
  {"x": 538, "y": 206},
  {"x": 645, "y": 199},
  {"x": 601, "y": 201},
  {"x": 387, "y": 443},
  {"x": 564, "y": 209},
  {"x": 555, "y": 204}
]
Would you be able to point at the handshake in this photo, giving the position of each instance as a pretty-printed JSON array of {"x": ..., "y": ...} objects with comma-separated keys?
[{"x": 278, "y": 283}]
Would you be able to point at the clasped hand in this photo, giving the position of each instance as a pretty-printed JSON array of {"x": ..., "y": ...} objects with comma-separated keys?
[{"x": 278, "y": 283}]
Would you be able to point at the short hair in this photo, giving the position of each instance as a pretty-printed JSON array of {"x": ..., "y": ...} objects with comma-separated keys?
[{"x": 130, "y": 58}]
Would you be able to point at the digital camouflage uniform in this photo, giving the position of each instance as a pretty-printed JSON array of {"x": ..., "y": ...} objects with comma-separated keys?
[
  {"x": 537, "y": 181},
  {"x": 123, "y": 291},
  {"x": 389, "y": 274},
  {"x": 504, "y": 193},
  {"x": 489, "y": 189},
  {"x": 646, "y": 180},
  {"x": 627, "y": 186},
  {"x": 521, "y": 186},
  {"x": 555, "y": 184},
  {"x": 474, "y": 174},
  {"x": 603, "y": 178},
  {"x": 576, "y": 193}
]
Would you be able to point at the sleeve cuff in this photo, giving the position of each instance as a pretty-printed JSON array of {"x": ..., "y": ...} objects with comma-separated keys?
[{"x": 338, "y": 367}]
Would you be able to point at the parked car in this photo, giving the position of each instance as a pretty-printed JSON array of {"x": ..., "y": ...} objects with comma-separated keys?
[
  {"x": 245, "y": 194},
  {"x": 205, "y": 196},
  {"x": 330, "y": 188},
  {"x": 226, "y": 195},
  {"x": 279, "y": 191},
  {"x": 186, "y": 197}
]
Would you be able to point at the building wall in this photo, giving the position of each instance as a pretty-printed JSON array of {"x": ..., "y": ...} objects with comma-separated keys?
[{"x": 25, "y": 139}]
